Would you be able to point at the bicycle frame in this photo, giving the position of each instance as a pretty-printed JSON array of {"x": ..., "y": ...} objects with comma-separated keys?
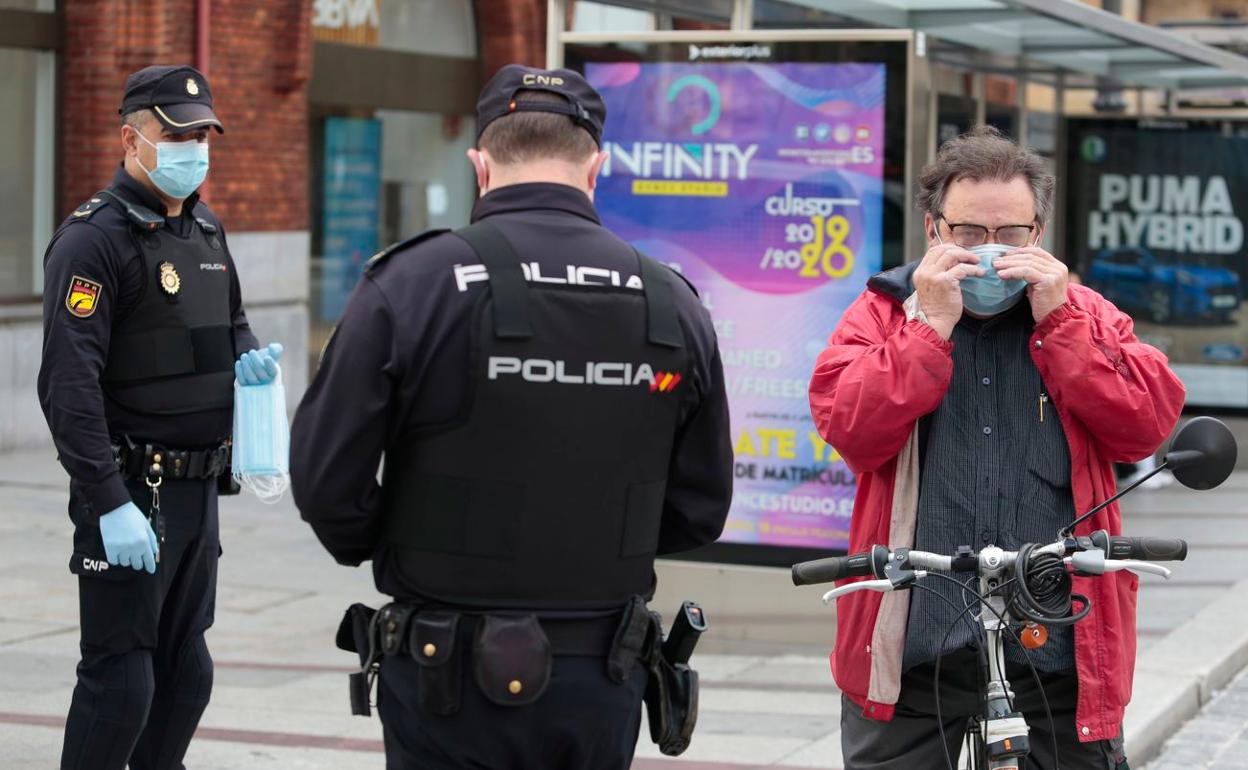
[{"x": 1001, "y": 735}]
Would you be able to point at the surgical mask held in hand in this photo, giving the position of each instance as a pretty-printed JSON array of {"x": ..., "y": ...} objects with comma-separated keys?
[
  {"x": 988, "y": 295},
  {"x": 261, "y": 456}
]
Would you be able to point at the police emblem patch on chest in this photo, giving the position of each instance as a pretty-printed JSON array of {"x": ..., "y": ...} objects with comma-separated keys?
[
  {"x": 170, "y": 281},
  {"x": 83, "y": 296}
]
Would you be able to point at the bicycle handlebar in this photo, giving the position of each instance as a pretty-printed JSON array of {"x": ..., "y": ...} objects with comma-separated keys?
[
  {"x": 836, "y": 567},
  {"x": 1145, "y": 548},
  {"x": 1115, "y": 547}
]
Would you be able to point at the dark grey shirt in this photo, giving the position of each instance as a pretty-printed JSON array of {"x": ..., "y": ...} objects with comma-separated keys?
[{"x": 991, "y": 473}]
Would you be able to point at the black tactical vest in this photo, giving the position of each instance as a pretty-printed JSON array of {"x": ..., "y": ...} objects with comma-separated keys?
[
  {"x": 173, "y": 353},
  {"x": 549, "y": 492}
]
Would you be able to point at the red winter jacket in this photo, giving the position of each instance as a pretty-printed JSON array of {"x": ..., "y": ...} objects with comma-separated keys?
[{"x": 884, "y": 369}]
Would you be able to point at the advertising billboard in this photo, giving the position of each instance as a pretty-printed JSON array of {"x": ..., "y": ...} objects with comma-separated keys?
[
  {"x": 350, "y": 208},
  {"x": 1156, "y": 224},
  {"x": 763, "y": 183}
]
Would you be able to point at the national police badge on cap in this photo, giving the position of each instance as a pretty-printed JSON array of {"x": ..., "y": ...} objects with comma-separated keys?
[
  {"x": 170, "y": 281},
  {"x": 192, "y": 87}
]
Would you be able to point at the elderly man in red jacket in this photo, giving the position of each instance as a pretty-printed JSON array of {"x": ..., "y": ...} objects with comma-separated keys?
[{"x": 982, "y": 399}]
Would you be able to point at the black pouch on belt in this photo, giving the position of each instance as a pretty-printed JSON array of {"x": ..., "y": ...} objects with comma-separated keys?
[
  {"x": 511, "y": 659},
  {"x": 671, "y": 696},
  {"x": 434, "y": 645},
  {"x": 630, "y": 641}
]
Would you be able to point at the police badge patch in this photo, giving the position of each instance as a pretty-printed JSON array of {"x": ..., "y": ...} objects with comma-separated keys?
[
  {"x": 170, "y": 281},
  {"x": 83, "y": 296}
]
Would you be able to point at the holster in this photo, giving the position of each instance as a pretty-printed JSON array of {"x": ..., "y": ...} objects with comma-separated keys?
[
  {"x": 358, "y": 632},
  {"x": 671, "y": 695}
]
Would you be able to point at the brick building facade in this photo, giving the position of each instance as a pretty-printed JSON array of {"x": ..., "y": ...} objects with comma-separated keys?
[
  {"x": 258, "y": 58},
  {"x": 267, "y": 175}
]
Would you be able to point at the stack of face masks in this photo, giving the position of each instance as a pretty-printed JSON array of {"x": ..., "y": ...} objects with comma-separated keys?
[
  {"x": 988, "y": 295},
  {"x": 261, "y": 456}
]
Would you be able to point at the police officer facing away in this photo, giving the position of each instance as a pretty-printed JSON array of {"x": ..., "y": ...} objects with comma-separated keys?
[
  {"x": 143, "y": 330},
  {"x": 552, "y": 412}
]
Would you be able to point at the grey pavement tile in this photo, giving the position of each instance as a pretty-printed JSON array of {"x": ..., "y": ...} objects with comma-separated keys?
[
  {"x": 780, "y": 725},
  {"x": 281, "y": 596}
]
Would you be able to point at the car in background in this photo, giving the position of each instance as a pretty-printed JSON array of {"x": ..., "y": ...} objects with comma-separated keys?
[{"x": 1137, "y": 281}]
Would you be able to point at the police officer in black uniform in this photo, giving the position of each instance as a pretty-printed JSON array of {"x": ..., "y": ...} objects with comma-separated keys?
[
  {"x": 144, "y": 334},
  {"x": 552, "y": 411}
]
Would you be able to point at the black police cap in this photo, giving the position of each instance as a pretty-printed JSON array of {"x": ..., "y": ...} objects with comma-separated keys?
[
  {"x": 498, "y": 99},
  {"x": 178, "y": 96}
]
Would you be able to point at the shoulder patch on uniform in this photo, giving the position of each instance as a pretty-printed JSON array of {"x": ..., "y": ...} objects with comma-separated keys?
[
  {"x": 383, "y": 255},
  {"x": 83, "y": 296},
  {"x": 93, "y": 205}
]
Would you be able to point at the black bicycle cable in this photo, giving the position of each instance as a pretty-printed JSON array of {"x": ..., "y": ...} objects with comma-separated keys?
[
  {"x": 983, "y": 601},
  {"x": 977, "y": 631},
  {"x": 1044, "y": 594},
  {"x": 962, "y": 615}
]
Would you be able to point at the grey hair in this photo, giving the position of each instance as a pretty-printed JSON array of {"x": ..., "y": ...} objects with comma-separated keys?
[
  {"x": 138, "y": 119},
  {"x": 985, "y": 154}
]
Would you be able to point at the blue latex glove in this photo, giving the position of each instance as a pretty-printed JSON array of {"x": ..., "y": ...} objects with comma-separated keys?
[
  {"x": 258, "y": 367},
  {"x": 128, "y": 538}
]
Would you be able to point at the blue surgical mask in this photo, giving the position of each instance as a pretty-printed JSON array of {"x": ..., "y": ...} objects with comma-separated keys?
[
  {"x": 181, "y": 167},
  {"x": 987, "y": 294},
  {"x": 261, "y": 456}
]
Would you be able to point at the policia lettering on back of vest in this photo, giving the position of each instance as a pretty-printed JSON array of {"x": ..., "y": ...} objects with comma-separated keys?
[
  {"x": 552, "y": 411},
  {"x": 143, "y": 330}
]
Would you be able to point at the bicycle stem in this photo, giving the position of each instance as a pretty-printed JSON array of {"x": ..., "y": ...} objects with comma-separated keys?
[{"x": 1008, "y": 742}]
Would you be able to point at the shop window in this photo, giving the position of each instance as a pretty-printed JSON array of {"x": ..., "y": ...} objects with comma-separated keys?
[
  {"x": 439, "y": 27},
  {"x": 27, "y": 136},
  {"x": 379, "y": 179}
]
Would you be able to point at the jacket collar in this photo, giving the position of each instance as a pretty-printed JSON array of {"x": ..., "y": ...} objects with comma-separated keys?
[
  {"x": 897, "y": 282},
  {"x": 535, "y": 195}
]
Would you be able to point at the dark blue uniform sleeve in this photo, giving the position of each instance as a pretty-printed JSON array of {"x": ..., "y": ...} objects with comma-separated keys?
[
  {"x": 699, "y": 480},
  {"x": 341, "y": 426},
  {"x": 244, "y": 339},
  {"x": 75, "y": 349}
]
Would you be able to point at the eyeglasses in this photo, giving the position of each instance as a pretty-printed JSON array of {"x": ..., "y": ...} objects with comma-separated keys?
[{"x": 968, "y": 235}]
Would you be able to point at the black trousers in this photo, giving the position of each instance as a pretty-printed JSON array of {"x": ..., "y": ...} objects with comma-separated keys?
[
  {"x": 145, "y": 675},
  {"x": 912, "y": 740},
  {"x": 583, "y": 721}
]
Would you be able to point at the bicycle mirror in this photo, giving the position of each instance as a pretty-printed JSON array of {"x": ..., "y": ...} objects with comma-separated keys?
[{"x": 1202, "y": 454}]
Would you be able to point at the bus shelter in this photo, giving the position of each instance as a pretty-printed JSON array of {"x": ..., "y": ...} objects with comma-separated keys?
[{"x": 775, "y": 168}]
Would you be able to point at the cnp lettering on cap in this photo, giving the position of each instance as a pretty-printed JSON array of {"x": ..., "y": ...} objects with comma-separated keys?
[{"x": 542, "y": 80}]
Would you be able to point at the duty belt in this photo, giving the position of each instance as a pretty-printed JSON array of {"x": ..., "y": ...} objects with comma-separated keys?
[
  {"x": 511, "y": 652},
  {"x": 136, "y": 460}
]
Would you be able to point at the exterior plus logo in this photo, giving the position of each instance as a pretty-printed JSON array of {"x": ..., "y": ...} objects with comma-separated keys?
[{"x": 665, "y": 382}]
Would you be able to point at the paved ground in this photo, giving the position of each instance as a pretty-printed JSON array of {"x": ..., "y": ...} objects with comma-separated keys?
[
  {"x": 280, "y": 695},
  {"x": 1217, "y": 737}
]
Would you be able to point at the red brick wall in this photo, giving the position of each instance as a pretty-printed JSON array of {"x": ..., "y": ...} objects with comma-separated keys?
[{"x": 259, "y": 63}]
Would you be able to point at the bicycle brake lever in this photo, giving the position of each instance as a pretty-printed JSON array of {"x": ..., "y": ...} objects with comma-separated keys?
[
  {"x": 883, "y": 586},
  {"x": 1116, "y": 565},
  {"x": 1093, "y": 562}
]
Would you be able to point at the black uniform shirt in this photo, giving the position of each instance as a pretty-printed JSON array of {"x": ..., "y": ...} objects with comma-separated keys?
[
  {"x": 100, "y": 248},
  {"x": 398, "y": 363}
]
